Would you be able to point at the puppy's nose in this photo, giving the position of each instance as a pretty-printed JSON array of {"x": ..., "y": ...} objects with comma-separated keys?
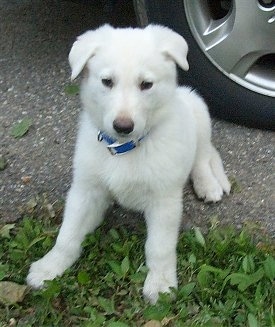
[{"x": 123, "y": 125}]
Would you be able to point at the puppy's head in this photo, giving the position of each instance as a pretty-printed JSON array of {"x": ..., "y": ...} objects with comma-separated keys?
[{"x": 130, "y": 76}]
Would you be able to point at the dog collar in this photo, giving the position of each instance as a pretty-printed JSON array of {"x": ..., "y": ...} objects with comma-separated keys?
[{"x": 115, "y": 147}]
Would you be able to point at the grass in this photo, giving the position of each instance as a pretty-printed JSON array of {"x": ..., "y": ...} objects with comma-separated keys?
[{"x": 226, "y": 278}]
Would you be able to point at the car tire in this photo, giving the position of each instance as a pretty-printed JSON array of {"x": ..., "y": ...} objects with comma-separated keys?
[{"x": 227, "y": 99}]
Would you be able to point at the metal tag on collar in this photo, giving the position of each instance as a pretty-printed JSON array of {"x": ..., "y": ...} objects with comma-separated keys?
[{"x": 99, "y": 136}]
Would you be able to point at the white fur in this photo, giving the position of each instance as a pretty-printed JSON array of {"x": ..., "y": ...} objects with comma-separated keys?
[{"x": 150, "y": 178}]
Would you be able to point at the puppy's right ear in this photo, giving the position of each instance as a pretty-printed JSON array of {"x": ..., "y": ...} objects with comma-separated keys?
[{"x": 84, "y": 48}]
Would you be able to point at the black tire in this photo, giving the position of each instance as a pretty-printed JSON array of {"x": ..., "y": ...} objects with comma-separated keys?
[{"x": 226, "y": 99}]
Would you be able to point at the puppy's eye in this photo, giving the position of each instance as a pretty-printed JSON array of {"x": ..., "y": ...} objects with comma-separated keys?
[
  {"x": 144, "y": 85},
  {"x": 108, "y": 82}
]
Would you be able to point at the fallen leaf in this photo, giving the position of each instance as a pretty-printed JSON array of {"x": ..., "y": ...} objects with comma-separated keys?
[
  {"x": 11, "y": 292},
  {"x": 31, "y": 204},
  {"x": 71, "y": 89},
  {"x": 236, "y": 186},
  {"x": 21, "y": 128},
  {"x": 12, "y": 322},
  {"x": 3, "y": 163},
  {"x": 26, "y": 179},
  {"x": 5, "y": 230},
  {"x": 153, "y": 323},
  {"x": 167, "y": 320},
  {"x": 50, "y": 210}
]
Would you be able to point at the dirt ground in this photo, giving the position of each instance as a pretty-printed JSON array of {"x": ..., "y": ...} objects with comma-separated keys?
[{"x": 35, "y": 40}]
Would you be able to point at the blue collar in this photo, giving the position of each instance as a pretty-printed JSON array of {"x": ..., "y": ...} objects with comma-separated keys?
[{"x": 116, "y": 148}]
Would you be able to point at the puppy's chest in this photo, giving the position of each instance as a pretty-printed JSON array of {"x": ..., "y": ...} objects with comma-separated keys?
[
  {"x": 131, "y": 186},
  {"x": 134, "y": 179},
  {"x": 152, "y": 169},
  {"x": 132, "y": 196}
]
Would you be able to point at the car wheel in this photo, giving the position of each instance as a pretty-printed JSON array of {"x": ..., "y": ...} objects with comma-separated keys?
[{"x": 231, "y": 53}]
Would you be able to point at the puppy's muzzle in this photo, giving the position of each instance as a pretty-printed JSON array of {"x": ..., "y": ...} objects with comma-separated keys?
[{"x": 123, "y": 125}]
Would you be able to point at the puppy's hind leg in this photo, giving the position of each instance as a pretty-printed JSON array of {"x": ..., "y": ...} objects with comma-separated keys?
[
  {"x": 209, "y": 179},
  {"x": 208, "y": 176},
  {"x": 85, "y": 207}
]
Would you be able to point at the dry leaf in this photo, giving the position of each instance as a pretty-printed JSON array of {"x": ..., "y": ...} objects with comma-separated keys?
[
  {"x": 153, "y": 323},
  {"x": 167, "y": 320},
  {"x": 12, "y": 322},
  {"x": 31, "y": 204},
  {"x": 5, "y": 230},
  {"x": 26, "y": 179},
  {"x": 11, "y": 292},
  {"x": 50, "y": 210}
]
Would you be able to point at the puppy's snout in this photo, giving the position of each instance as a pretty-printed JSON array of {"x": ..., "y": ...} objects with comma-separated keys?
[{"x": 123, "y": 125}]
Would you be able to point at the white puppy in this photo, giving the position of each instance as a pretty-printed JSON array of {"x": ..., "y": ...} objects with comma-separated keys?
[{"x": 139, "y": 139}]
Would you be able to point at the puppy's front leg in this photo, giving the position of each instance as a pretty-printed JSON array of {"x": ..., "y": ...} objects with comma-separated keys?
[
  {"x": 84, "y": 210},
  {"x": 163, "y": 219}
]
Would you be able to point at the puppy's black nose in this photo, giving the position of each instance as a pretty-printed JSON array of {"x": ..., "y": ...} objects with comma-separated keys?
[{"x": 123, "y": 125}]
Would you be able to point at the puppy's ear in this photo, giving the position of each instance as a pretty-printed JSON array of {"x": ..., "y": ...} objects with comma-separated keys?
[
  {"x": 84, "y": 48},
  {"x": 81, "y": 52},
  {"x": 172, "y": 45}
]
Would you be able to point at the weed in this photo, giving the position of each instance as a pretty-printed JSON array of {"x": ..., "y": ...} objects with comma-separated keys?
[{"x": 225, "y": 279}]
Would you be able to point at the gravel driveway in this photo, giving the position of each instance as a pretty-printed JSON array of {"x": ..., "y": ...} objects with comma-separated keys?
[{"x": 35, "y": 40}]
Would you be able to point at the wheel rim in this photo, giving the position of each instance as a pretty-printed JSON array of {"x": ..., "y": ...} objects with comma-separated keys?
[{"x": 242, "y": 49}]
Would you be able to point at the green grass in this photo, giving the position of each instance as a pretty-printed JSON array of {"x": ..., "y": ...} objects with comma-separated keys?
[{"x": 226, "y": 278}]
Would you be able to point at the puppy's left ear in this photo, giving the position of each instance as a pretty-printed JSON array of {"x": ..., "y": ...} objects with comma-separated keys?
[{"x": 172, "y": 45}]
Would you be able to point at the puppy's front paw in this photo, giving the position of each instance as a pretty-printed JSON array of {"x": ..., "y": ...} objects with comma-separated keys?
[
  {"x": 38, "y": 274},
  {"x": 47, "y": 268},
  {"x": 157, "y": 283}
]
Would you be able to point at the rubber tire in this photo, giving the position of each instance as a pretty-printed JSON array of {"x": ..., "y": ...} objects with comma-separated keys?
[{"x": 226, "y": 99}]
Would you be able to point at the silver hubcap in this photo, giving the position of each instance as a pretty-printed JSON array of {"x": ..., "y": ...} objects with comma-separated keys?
[{"x": 239, "y": 39}]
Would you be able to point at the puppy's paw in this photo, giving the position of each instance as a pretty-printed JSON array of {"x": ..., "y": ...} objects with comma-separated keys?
[
  {"x": 226, "y": 186},
  {"x": 157, "y": 283},
  {"x": 38, "y": 274},
  {"x": 47, "y": 268},
  {"x": 209, "y": 191}
]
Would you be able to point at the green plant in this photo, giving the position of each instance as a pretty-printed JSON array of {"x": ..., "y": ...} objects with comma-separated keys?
[{"x": 225, "y": 279}]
